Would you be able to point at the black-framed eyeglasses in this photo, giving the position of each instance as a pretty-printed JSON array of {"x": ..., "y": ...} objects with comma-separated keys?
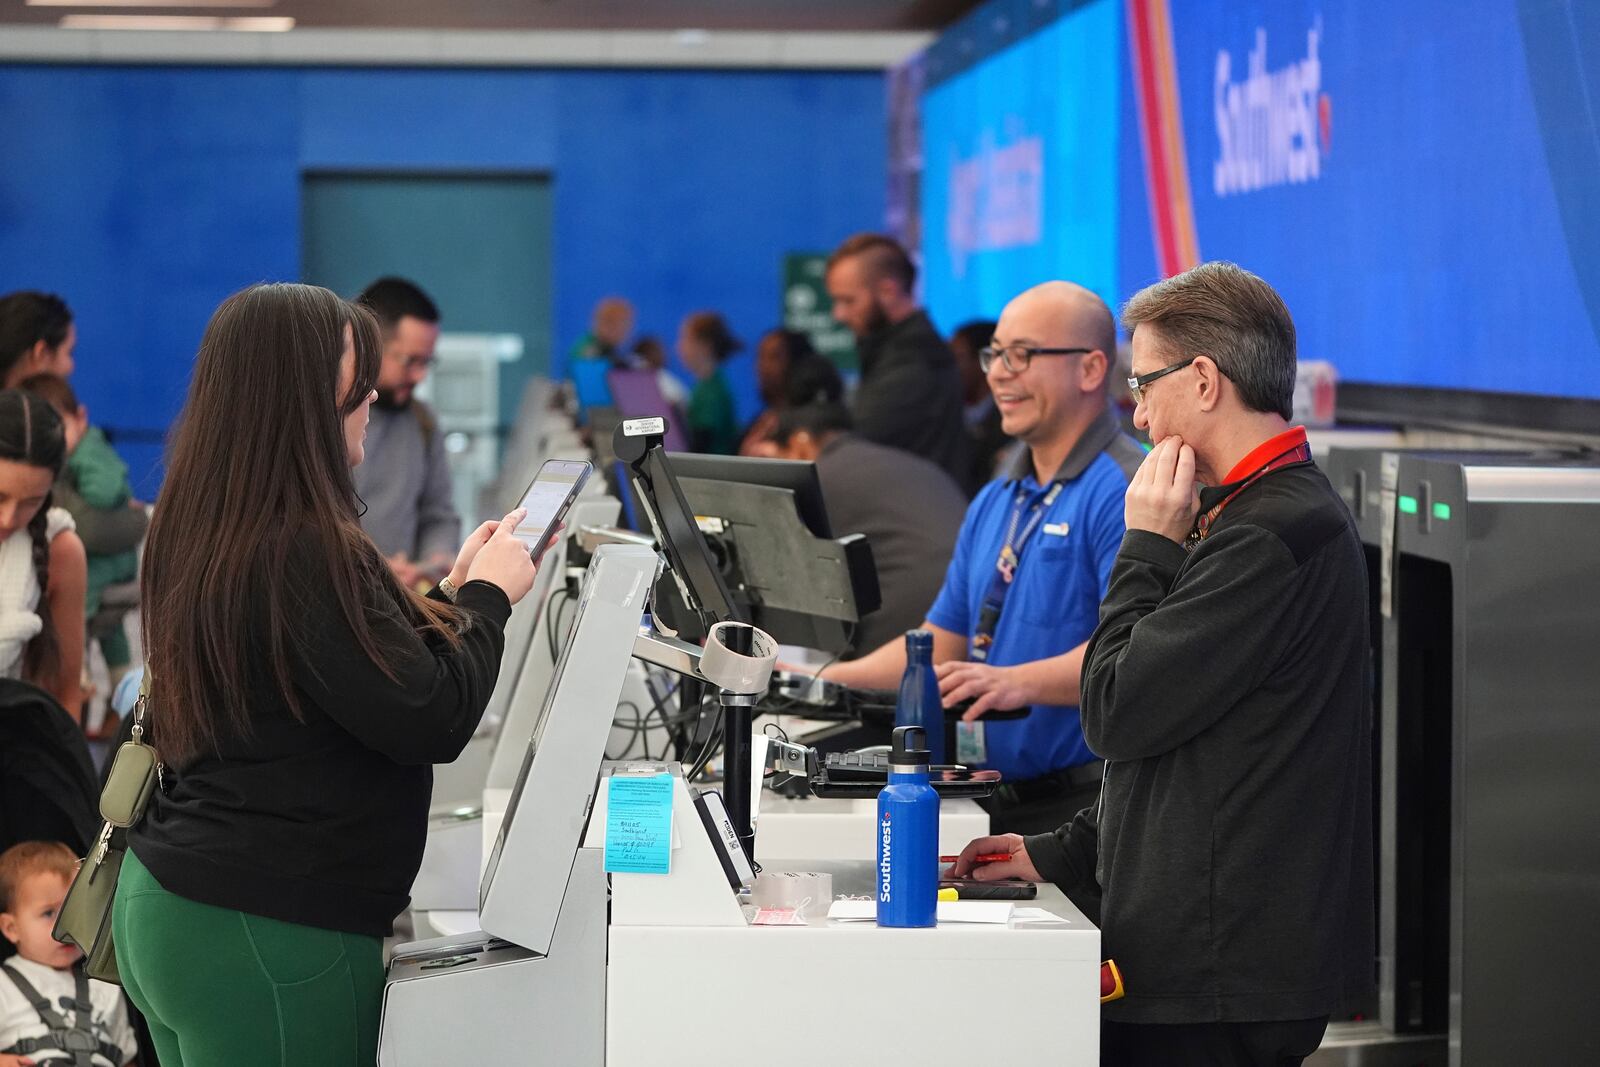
[
  {"x": 1137, "y": 385},
  {"x": 1017, "y": 357}
]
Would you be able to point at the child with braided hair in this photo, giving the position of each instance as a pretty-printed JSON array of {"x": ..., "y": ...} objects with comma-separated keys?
[{"x": 43, "y": 569}]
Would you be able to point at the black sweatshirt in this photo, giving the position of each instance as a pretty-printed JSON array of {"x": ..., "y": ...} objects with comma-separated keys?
[
  {"x": 1228, "y": 689},
  {"x": 323, "y": 822},
  {"x": 910, "y": 395}
]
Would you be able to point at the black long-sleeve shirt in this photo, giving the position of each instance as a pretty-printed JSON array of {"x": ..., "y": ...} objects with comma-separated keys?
[
  {"x": 323, "y": 822},
  {"x": 910, "y": 396},
  {"x": 1228, "y": 689}
]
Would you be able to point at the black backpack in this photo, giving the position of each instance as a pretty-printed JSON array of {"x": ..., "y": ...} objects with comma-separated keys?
[{"x": 48, "y": 787}]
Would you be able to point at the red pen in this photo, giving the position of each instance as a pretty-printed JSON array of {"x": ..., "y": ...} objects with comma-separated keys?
[{"x": 982, "y": 857}]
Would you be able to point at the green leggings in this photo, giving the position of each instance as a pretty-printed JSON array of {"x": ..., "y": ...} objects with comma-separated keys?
[{"x": 220, "y": 988}]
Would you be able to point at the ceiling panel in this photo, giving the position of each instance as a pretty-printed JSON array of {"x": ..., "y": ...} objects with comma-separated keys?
[{"x": 762, "y": 15}]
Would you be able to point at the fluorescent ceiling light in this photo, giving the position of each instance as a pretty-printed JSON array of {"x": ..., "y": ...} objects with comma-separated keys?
[
  {"x": 691, "y": 38},
  {"x": 175, "y": 22},
  {"x": 152, "y": 3}
]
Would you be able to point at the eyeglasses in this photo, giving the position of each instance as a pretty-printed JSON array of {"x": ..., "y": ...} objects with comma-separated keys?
[
  {"x": 419, "y": 363},
  {"x": 1139, "y": 384},
  {"x": 1017, "y": 357}
]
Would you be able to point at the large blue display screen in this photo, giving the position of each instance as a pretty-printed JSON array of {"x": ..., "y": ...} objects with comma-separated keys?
[
  {"x": 1019, "y": 180},
  {"x": 1421, "y": 181}
]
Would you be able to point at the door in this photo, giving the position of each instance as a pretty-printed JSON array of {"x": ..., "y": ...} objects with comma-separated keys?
[{"x": 480, "y": 246}]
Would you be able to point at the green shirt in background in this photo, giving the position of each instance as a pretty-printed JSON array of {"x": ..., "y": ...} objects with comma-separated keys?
[
  {"x": 99, "y": 478},
  {"x": 713, "y": 427}
]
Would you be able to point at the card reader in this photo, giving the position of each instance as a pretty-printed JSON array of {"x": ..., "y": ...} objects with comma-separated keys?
[{"x": 730, "y": 850}]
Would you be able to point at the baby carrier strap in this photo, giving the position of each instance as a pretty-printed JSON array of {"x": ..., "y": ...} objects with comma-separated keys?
[{"x": 76, "y": 1037}]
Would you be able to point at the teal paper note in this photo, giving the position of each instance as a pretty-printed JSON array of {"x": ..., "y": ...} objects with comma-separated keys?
[{"x": 639, "y": 824}]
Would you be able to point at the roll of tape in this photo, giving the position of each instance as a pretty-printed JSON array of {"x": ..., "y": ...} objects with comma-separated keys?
[
  {"x": 735, "y": 673},
  {"x": 808, "y": 893}
]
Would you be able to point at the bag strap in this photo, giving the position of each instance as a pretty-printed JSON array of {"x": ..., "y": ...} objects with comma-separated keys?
[{"x": 139, "y": 706}]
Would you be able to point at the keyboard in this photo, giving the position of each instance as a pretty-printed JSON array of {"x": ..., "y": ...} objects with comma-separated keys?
[{"x": 857, "y": 766}]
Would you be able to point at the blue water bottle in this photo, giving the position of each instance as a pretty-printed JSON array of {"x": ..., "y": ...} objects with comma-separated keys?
[
  {"x": 919, "y": 703},
  {"x": 908, "y": 836}
]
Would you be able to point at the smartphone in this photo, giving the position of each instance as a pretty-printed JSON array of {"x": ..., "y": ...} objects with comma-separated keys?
[
  {"x": 1007, "y": 889},
  {"x": 547, "y": 499}
]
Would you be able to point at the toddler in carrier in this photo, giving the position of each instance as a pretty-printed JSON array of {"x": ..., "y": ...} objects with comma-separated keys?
[{"x": 51, "y": 1013}]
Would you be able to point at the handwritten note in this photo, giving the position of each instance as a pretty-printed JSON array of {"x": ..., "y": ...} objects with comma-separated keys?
[{"x": 639, "y": 824}]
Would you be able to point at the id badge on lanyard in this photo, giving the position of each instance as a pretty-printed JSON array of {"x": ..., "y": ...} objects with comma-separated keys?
[
  {"x": 1005, "y": 565},
  {"x": 972, "y": 744}
]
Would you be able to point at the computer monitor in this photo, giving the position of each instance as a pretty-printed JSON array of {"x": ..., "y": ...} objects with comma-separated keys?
[
  {"x": 797, "y": 476},
  {"x": 766, "y": 525},
  {"x": 694, "y": 582}
]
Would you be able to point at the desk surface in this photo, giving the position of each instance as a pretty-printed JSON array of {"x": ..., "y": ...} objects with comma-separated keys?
[
  {"x": 844, "y": 990},
  {"x": 850, "y": 878}
]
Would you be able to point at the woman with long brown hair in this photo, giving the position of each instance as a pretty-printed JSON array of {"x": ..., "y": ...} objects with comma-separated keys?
[{"x": 299, "y": 696}]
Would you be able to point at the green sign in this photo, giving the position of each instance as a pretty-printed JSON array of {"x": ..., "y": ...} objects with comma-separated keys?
[{"x": 806, "y": 308}]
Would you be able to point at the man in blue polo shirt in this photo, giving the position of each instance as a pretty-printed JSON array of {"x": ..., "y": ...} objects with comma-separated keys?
[{"x": 1022, "y": 592}]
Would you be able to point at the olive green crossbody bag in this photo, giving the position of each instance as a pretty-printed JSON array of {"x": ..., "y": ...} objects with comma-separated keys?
[{"x": 85, "y": 918}]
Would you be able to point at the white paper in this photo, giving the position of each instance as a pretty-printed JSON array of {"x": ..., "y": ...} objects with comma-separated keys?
[{"x": 1036, "y": 915}]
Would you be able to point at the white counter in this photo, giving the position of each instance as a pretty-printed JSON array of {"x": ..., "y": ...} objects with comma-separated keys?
[{"x": 851, "y": 993}]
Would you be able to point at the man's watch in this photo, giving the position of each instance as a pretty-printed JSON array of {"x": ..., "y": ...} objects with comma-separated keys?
[{"x": 448, "y": 588}]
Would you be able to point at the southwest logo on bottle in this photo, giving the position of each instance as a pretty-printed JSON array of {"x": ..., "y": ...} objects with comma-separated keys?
[{"x": 883, "y": 859}]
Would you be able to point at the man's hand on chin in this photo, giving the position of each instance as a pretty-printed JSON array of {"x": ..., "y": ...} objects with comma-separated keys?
[{"x": 1163, "y": 497}]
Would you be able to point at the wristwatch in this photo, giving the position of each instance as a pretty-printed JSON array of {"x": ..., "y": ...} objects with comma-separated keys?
[{"x": 448, "y": 588}]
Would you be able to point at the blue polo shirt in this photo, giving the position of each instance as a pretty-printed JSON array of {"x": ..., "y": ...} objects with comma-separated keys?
[{"x": 1054, "y": 601}]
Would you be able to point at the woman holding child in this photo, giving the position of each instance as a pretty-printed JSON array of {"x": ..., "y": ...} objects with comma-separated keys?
[{"x": 299, "y": 696}]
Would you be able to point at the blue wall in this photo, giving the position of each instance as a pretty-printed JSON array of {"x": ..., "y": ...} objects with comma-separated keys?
[{"x": 146, "y": 195}]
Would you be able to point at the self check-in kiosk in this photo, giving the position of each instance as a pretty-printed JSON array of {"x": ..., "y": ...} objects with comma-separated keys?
[
  {"x": 1486, "y": 585},
  {"x": 453, "y": 856},
  {"x": 536, "y": 969}
]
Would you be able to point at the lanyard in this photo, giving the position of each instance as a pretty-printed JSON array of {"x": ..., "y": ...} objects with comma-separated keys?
[
  {"x": 1300, "y": 453},
  {"x": 1005, "y": 566}
]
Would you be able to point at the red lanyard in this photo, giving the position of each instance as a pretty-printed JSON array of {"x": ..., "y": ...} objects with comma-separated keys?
[{"x": 1300, "y": 453}]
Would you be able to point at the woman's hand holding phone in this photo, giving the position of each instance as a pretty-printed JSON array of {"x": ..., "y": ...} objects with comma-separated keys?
[
  {"x": 469, "y": 552},
  {"x": 499, "y": 557}
]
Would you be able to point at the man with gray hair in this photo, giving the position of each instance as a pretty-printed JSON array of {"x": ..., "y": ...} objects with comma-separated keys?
[{"x": 1227, "y": 686}]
